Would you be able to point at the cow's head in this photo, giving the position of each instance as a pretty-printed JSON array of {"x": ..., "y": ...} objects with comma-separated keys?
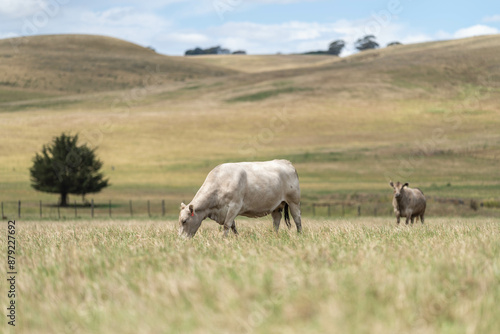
[
  {"x": 398, "y": 188},
  {"x": 189, "y": 221}
]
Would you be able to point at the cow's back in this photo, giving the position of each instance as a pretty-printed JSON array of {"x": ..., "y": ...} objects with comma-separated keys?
[{"x": 258, "y": 186}]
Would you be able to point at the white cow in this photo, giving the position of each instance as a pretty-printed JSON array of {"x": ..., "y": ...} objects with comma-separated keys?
[{"x": 251, "y": 189}]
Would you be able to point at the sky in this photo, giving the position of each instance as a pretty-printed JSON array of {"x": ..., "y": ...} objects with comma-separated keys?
[{"x": 257, "y": 26}]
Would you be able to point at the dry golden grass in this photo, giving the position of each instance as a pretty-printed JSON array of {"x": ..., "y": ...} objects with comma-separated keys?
[
  {"x": 62, "y": 64},
  {"x": 339, "y": 276},
  {"x": 265, "y": 63},
  {"x": 425, "y": 113}
]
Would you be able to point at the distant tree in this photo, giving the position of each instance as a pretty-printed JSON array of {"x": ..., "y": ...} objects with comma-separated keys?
[
  {"x": 240, "y": 52},
  {"x": 316, "y": 53},
  {"x": 65, "y": 168},
  {"x": 151, "y": 48},
  {"x": 194, "y": 52},
  {"x": 394, "y": 43},
  {"x": 214, "y": 50},
  {"x": 366, "y": 43},
  {"x": 336, "y": 47}
]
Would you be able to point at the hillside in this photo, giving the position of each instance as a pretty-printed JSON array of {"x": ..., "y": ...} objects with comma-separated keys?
[
  {"x": 61, "y": 64},
  {"x": 265, "y": 63},
  {"x": 426, "y": 113}
]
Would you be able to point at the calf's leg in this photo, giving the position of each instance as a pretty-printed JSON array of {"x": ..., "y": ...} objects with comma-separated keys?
[{"x": 233, "y": 228}]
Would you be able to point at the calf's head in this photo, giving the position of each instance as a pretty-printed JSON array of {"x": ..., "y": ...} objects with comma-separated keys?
[
  {"x": 398, "y": 189},
  {"x": 189, "y": 221}
]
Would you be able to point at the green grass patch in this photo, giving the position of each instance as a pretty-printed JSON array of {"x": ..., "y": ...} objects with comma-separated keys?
[
  {"x": 266, "y": 94},
  {"x": 18, "y": 95},
  {"x": 50, "y": 103}
]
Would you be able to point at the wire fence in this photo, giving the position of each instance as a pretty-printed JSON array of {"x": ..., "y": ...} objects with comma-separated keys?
[
  {"x": 139, "y": 208},
  {"x": 111, "y": 209},
  {"x": 159, "y": 208}
]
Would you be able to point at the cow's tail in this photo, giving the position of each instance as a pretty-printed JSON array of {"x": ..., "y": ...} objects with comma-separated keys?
[{"x": 287, "y": 216}]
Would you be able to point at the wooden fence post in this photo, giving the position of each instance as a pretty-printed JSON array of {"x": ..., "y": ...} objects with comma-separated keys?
[
  {"x": 19, "y": 209},
  {"x": 163, "y": 208},
  {"x": 109, "y": 208},
  {"x": 75, "y": 211},
  {"x": 359, "y": 210},
  {"x": 131, "y": 212},
  {"x": 92, "y": 208}
]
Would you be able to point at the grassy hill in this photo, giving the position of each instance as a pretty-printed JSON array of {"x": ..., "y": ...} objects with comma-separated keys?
[
  {"x": 59, "y": 64},
  {"x": 265, "y": 63},
  {"x": 425, "y": 113}
]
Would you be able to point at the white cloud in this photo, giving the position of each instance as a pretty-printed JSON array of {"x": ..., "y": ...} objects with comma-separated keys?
[
  {"x": 124, "y": 16},
  {"x": 8, "y": 35},
  {"x": 186, "y": 38},
  {"x": 476, "y": 30},
  {"x": 20, "y": 8},
  {"x": 297, "y": 37},
  {"x": 492, "y": 18}
]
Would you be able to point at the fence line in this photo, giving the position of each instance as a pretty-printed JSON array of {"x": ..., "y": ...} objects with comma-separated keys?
[
  {"x": 38, "y": 209},
  {"x": 353, "y": 208},
  {"x": 158, "y": 208},
  {"x": 16, "y": 209}
]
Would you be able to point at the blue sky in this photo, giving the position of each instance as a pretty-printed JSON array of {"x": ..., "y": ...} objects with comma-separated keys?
[{"x": 257, "y": 26}]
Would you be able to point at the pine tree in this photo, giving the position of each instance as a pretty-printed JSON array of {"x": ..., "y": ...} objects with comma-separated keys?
[{"x": 65, "y": 168}]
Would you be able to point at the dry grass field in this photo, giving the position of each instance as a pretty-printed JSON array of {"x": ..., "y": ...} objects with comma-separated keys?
[
  {"x": 425, "y": 113},
  {"x": 340, "y": 276}
]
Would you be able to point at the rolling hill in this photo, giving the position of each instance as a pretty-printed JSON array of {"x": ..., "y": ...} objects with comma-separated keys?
[
  {"x": 425, "y": 113},
  {"x": 62, "y": 64}
]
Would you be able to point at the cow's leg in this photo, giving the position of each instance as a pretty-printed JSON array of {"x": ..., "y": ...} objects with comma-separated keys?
[
  {"x": 295, "y": 211},
  {"x": 398, "y": 217},
  {"x": 231, "y": 214},
  {"x": 233, "y": 227},
  {"x": 412, "y": 218},
  {"x": 422, "y": 218},
  {"x": 276, "y": 214}
]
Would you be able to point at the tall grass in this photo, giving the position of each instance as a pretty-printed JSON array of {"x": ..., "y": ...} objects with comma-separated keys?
[{"x": 339, "y": 276}]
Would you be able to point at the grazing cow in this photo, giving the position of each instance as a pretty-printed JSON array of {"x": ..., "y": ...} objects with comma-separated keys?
[
  {"x": 251, "y": 189},
  {"x": 408, "y": 202}
]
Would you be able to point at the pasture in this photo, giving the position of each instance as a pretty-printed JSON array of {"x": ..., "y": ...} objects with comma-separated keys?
[
  {"x": 340, "y": 276},
  {"x": 427, "y": 114}
]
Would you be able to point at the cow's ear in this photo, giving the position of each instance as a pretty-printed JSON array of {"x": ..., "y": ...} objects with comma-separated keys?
[
  {"x": 391, "y": 184},
  {"x": 183, "y": 206},
  {"x": 191, "y": 208},
  {"x": 404, "y": 185}
]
